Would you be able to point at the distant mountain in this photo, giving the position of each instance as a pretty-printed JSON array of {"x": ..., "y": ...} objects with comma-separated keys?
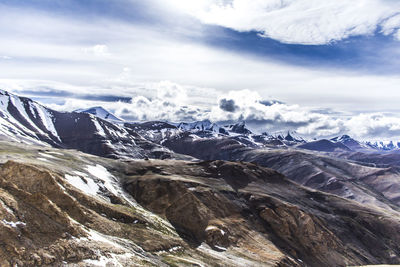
[
  {"x": 205, "y": 125},
  {"x": 97, "y": 131},
  {"x": 24, "y": 120},
  {"x": 349, "y": 142},
  {"x": 365, "y": 146},
  {"x": 101, "y": 113},
  {"x": 289, "y": 138},
  {"x": 324, "y": 145},
  {"x": 384, "y": 145},
  {"x": 238, "y": 128}
]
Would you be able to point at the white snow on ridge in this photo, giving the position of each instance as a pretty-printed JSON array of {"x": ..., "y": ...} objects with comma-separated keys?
[
  {"x": 89, "y": 187},
  {"x": 15, "y": 130},
  {"x": 99, "y": 129},
  {"x": 9, "y": 129},
  {"x": 97, "y": 178},
  {"x": 16, "y": 101},
  {"x": 102, "y": 174},
  {"x": 4, "y": 205},
  {"x": 101, "y": 113},
  {"x": 4, "y": 100},
  {"x": 47, "y": 120},
  {"x": 47, "y": 155},
  {"x": 13, "y": 224}
]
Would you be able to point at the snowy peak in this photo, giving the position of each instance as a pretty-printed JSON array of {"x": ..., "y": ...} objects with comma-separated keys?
[
  {"x": 25, "y": 120},
  {"x": 208, "y": 126},
  {"x": 289, "y": 137},
  {"x": 366, "y": 145},
  {"x": 238, "y": 128},
  {"x": 204, "y": 125},
  {"x": 101, "y": 113},
  {"x": 349, "y": 142},
  {"x": 383, "y": 145}
]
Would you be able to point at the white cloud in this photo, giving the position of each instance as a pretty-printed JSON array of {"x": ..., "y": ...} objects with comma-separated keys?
[
  {"x": 97, "y": 50},
  {"x": 298, "y": 21},
  {"x": 171, "y": 93},
  {"x": 374, "y": 125},
  {"x": 143, "y": 54},
  {"x": 169, "y": 101},
  {"x": 49, "y": 52}
]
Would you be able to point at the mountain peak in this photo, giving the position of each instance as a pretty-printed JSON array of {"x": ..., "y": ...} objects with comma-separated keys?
[
  {"x": 289, "y": 137},
  {"x": 239, "y": 128},
  {"x": 100, "y": 112}
]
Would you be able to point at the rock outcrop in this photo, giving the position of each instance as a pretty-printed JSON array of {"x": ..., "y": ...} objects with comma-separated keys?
[
  {"x": 66, "y": 208},
  {"x": 230, "y": 205}
]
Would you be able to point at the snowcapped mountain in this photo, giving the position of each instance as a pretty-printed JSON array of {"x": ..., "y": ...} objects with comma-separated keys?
[
  {"x": 101, "y": 113},
  {"x": 24, "y": 120},
  {"x": 366, "y": 145},
  {"x": 204, "y": 125},
  {"x": 289, "y": 136},
  {"x": 97, "y": 131},
  {"x": 383, "y": 145},
  {"x": 238, "y": 128},
  {"x": 349, "y": 142}
]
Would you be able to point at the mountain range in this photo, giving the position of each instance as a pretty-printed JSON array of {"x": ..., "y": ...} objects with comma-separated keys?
[{"x": 86, "y": 188}]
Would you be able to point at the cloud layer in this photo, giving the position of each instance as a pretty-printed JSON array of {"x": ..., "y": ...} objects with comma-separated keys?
[
  {"x": 73, "y": 61},
  {"x": 168, "y": 101},
  {"x": 299, "y": 21}
]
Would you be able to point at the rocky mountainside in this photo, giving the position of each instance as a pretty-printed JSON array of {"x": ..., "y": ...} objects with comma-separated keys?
[
  {"x": 99, "y": 132},
  {"x": 67, "y": 208},
  {"x": 24, "y": 120},
  {"x": 361, "y": 181}
]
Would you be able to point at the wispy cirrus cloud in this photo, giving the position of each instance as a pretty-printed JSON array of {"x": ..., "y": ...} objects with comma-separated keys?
[{"x": 299, "y": 21}]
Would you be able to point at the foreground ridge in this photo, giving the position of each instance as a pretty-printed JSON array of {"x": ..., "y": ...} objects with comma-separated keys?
[{"x": 66, "y": 207}]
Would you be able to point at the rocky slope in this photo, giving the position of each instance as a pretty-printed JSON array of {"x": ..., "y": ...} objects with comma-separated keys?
[
  {"x": 66, "y": 208},
  {"x": 328, "y": 172},
  {"x": 23, "y": 120}
]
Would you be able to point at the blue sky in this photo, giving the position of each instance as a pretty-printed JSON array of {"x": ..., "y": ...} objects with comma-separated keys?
[{"x": 326, "y": 63}]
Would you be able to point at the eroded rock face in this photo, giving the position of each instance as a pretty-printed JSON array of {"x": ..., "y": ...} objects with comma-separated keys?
[
  {"x": 46, "y": 221},
  {"x": 306, "y": 232},
  {"x": 213, "y": 213},
  {"x": 230, "y": 205}
]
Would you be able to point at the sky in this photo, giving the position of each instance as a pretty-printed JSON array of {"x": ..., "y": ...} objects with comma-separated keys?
[{"x": 321, "y": 68}]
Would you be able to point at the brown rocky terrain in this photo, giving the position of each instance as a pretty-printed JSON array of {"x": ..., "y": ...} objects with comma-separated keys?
[
  {"x": 238, "y": 198},
  {"x": 49, "y": 219},
  {"x": 67, "y": 208},
  {"x": 352, "y": 176}
]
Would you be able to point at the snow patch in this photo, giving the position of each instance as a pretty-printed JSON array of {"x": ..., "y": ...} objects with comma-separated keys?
[
  {"x": 99, "y": 129},
  {"x": 6, "y": 207},
  {"x": 102, "y": 174},
  {"x": 55, "y": 153},
  {"x": 13, "y": 224},
  {"x": 220, "y": 248},
  {"x": 88, "y": 185},
  {"x": 47, "y": 155},
  {"x": 47, "y": 120}
]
